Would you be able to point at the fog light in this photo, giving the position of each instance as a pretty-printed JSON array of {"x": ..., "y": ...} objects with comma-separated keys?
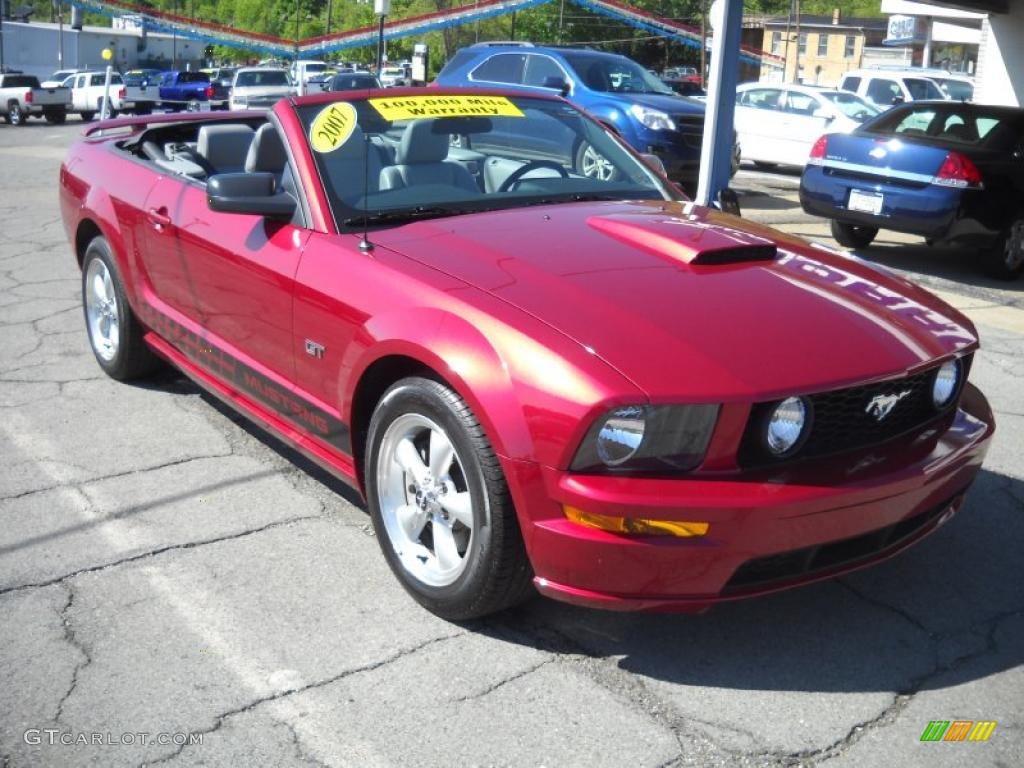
[
  {"x": 636, "y": 526},
  {"x": 786, "y": 425},
  {"x": 947, "y": 382}
]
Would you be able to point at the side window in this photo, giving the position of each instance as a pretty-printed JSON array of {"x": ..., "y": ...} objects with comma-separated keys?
[
  {"x": 97, "y": 80},
  {"x": 81, "y": 82},
  {"x": 764, "y": 98},
  {"x": 850, "y": 84},
  {"x": 503, "y": 68},
  {"x": 541, "y": 68},
  {"x": 882, "y": 91},
  {"x": 800, "y": 103}
]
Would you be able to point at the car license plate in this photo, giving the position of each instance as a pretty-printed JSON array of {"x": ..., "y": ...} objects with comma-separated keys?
[{"x": 865, "y": 202}]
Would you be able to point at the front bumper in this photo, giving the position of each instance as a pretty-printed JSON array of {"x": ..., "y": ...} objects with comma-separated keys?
[{"x": 769, "y": 530}]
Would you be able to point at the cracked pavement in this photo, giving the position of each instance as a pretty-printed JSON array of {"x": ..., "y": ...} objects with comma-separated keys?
[{"x": 165, "y": 567}]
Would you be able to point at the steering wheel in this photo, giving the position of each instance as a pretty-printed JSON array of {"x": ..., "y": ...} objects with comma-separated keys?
[{"x": 533, "y": 165}]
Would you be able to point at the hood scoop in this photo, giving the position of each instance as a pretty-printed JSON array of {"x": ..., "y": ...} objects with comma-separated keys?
[{"x": 692, "y": 242}]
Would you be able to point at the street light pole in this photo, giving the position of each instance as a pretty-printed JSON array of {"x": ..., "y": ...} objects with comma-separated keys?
[{"x": 382, "y": 8}]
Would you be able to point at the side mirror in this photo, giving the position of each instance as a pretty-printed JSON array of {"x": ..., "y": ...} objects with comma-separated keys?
[
  {"x": 252, "y": 193},
  {"x": 655, "y": 162},
  {"x": 897, "y": 100},
  {"x": 728, "y": 202},
  {"x": 557, "y": 84}
]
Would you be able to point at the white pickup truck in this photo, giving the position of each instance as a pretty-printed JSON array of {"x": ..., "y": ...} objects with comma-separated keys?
[
  {"x": 87, "y": 94},
  {"x": 21, "y": 97}
]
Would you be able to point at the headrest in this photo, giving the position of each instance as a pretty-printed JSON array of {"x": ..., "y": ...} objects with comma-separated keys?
[
  {"x": 266, "y": 153},
  {"x": 421, "y": 145},
  {"x": 224, "y": 146}
]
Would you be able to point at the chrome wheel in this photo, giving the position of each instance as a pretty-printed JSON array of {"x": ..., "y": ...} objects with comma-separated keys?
[
  {"x": 425, "y": 502},
  {"x": 101, "y": 310},
  {"x": 594, "y": 165},
  {"x": 1013, "y": 248}
]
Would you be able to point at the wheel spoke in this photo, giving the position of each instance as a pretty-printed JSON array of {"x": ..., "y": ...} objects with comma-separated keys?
[
  {"x": 459, "y": 506},
  {"x": 108, "y": 288},
  {"x": 444, "y": 546},
  {"x": 412, "y": 521},
  {"x": 441, "y": 454},
  {"x": 99, "y": 288},
  {"x": 408, "y": 459}
]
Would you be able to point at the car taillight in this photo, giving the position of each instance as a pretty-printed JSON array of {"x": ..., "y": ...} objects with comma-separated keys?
[
  {"x": 209, "y": 92},
  {"x": 957, "y": 171},
  {"x": 818, "y": 151},
  {"x": 122, "y": 94},
  {"x": 28, "y": 97}
]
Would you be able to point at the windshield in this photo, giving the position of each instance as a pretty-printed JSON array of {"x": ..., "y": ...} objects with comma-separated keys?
[
  {"x": 193, "y": 77},
  {"x": 957, "y": 89},
  {"x": 262, "y": 77},
  {"x": 922, "y": 89},
  {"x": 615, "y": 75},
  {"x": 851, "y": 105},
  {"x": 390, "y": 160}
]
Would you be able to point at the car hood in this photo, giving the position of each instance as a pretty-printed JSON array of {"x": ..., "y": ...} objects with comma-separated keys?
[
  {"x": 691, "y": 303},
  {"x": 671, "y": 104}
]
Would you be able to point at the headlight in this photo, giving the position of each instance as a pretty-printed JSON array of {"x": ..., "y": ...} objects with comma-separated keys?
[
  {"x": 654, "y": 119},
  {"x": 786, "y": 425},
  {"x": 947, "y": 382},
  {"x": 647, "y": 438}
]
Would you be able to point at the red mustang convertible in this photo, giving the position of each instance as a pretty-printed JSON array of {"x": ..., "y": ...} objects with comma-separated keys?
[{"x": 589, "y": 387}]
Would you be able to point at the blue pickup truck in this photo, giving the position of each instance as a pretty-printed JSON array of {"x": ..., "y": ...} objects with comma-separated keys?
[{"x": 185, "y": 90}]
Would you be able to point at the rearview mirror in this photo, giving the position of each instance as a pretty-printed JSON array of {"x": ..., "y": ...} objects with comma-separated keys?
[{"x": 252, "y": 193}]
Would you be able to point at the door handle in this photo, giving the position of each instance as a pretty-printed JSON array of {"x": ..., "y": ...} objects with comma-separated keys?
[{"x": 158, "y": 217}]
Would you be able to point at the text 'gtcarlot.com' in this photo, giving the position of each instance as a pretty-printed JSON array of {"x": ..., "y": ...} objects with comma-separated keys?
[{"x": 53, "y": 736}]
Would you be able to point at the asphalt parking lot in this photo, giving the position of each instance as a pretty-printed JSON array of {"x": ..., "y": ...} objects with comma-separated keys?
[{"x": 170, "y": 573}]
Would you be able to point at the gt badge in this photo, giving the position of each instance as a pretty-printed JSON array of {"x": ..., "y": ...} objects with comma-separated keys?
[
  {"x": 881, "y": 405},
  {"x": 314, "y": 350}
]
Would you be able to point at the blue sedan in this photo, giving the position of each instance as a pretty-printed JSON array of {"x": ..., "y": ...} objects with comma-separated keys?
[{"x": 948, "y": 171}]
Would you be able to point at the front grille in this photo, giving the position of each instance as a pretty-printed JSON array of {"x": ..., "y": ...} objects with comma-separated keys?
[
  {"x": 845, "y": 553},
  {"x": 690, "y": 129},
  {"x": 841, "y": 421}
]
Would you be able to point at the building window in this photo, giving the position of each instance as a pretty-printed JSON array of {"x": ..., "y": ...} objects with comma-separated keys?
[
  {"x": 776, "y": 42},
  {"x": 822, "y": 45},
  {"x": 851, "y": 46},
  {"x": 802, "y": 48}
]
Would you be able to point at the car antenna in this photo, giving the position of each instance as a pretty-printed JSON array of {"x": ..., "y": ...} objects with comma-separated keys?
[{"x": 365, "y": 245}]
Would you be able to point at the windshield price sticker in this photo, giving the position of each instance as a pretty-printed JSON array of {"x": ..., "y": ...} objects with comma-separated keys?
[
  {"x": 412, "y": 107},
  {"x": 332, "y": 127}
]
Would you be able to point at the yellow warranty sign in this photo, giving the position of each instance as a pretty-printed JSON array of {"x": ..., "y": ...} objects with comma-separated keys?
[
  {"x": 412, "y": 107},
  {"x": 332, "y": 127}
]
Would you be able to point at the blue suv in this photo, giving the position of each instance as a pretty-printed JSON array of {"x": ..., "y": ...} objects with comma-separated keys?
[{"x": 612, "y": 88}]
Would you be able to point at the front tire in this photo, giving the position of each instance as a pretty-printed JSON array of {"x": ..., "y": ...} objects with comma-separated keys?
[
  {"x": 440, "y": 506},
  {"x": 1005, "y": 259},
  {"x": 15, "y": 114},
  {"x": 115, "y": 334},
  {"x": 853, "y": 235}
]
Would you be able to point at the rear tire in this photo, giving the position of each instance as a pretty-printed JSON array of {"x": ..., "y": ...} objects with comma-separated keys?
[
  {"x": 440, "y": 506},
  {"x": 115, "y": 334},
  {"x": 853, "y": 235},
  {"x": 763, "y": 166},
  {"x": 15, "y": 114},
  {"x": 87, "y": 116},
  {"x": 56, "y": 117},
  {"x": 1005, "y": 258}
]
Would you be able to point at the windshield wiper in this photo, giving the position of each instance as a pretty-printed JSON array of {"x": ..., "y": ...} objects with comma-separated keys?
[{"x": 404, "y": 215}]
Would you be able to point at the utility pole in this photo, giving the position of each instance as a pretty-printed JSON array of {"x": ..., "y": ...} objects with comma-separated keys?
[
  {"x": 786, "y": 42},
  {"x": 796, "y": 69},
  {"x": 329, "y": 16},
  {"x": 60, "y": 34},
  {"x": 703, "y": 42},
  {"x": 382, "y": 8},
  {"x": 1, "y": 35}
]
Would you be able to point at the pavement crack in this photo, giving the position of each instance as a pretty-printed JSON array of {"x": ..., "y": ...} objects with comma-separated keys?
[
  {"x": 72, "y": 639},
  {"x": 154, "y": 552},
  {"x": 300, "y": 749},
  {"x": 503, "y": 682},
  {"x": 881, "y": 604},
  {"x": 219, "y": 720}
]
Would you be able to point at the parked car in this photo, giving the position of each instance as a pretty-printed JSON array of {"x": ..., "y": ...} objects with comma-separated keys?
[
  {"x": 617, "y": 90},
  {"x": 135, "y": 78},
  {"x": 301, "y": 71},
  {"x": 352, "y": 81},
  {"x": 884, "y": 88},
  {"x": 259, "y": 87},
  {"x": 57, "y": 78},
  {"x": 590, "y": 385},
  {"x": 948, "y": 171},
  {"x": 185, "y": 90},
  {"x": 221, "y": 79},
  {"x": 393, "y": 77},
  {"x": 954, "y": 85},
  {"x": 87, "y": 94},
  {"x": 689, "y": 88},
  {"x": 22, "y": 97},
  {"x": 779, "y": 123}
]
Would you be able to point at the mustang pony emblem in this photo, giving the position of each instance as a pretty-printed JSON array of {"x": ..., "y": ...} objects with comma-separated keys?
[{"x": 880, "y": 405}]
